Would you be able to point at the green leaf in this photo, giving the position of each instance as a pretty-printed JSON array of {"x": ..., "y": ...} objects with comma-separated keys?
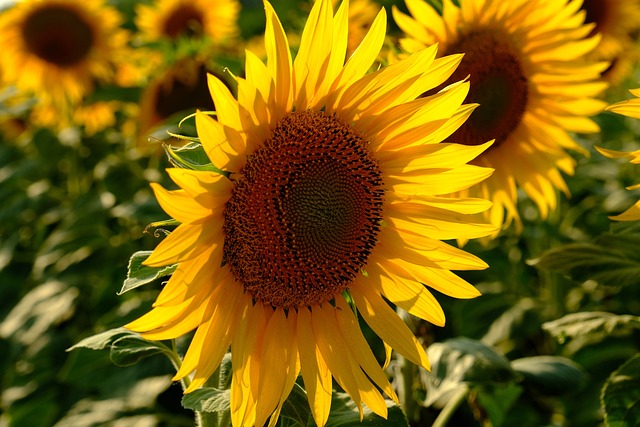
[
  {"x": 497, "y": 400},
  {"x": 39, "y": 311},
  {"x": 296, "y": 407},
  {"x": 593, "y": 324},
  {"x": 620, "y": 397},
  {"x": 463, "y": 360},
  {"x": 139, "y": 274},
  {"x": 130, "y": 349},
  {"x": 208, "y": 399},
  {"x": 102, "y": 340},
  {"x": 550, "y": 375},
  {"x": 612, "y": 260},
  {"x": 344, "y": 413}
]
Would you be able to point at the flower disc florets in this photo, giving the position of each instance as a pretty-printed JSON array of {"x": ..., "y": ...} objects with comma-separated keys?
[
  {"x": 304, "y": 213},
  {"x": 58, "y": 35},
  {"x": 498, "y": 84}
]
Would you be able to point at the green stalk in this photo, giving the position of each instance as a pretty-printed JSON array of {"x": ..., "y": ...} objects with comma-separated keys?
[{"x": 450, "y": 408}]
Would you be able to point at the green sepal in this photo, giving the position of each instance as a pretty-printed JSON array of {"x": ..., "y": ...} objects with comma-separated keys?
[
  {"x": 620, "y": 397},
  {"x": 191, "y": 156},
  {"x": 139, "y": 274}
]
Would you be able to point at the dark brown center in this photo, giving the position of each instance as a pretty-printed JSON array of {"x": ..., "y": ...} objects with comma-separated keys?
[
  {"x": 498, "y": 84},
  {"x": 598, "y": 12},
  {"x": 305, "y": 212},
  {"x": 58, "y": 35},
  {"x": 186, "y": 92},
  {"x": 185, "y": 20}
]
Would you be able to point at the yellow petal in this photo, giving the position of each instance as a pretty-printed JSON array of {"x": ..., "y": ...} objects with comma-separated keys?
[
  {"x": 184, "y": 243},
  {"x": 388, "y": 326},
  {"x": 315, "y": 373},
  {"x": 180, "y": 206}
]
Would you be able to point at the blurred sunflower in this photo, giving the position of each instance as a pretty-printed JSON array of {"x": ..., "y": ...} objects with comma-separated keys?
[
  {"x": 180, "y": 89},
  {"x": 58, "y": 49},
  {"x": 630, "y": 108},
  {"x": 330, "y": 198},
  {"x": 524, "y": 62},
  {"x": 171, "y": 19},
  {"x": 618, "y": 21}
]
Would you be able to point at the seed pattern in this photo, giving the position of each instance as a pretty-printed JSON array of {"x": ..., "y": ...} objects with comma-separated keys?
[
  {"x": 305, "y": 212},
  {"x": 498, "y": 84}
]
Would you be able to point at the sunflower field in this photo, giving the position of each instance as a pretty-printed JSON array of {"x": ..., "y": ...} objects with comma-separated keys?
[{"x": 320, "y": 213}]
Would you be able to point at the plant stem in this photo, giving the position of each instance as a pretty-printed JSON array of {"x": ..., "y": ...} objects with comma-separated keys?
[
  {"x": 450, "y": 408},
  {"x": 407, "y": 371},
  {"x": 212, "y": 419},
  {"x": 176, "y": 361}
]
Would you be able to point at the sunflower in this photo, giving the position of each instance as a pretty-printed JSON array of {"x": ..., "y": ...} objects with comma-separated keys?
[
  {"x": 524, "y": 62},
  {"x": 330, "y": 198},
  {"x": 630, "y": 108},
  {"x": 618, "y": 21},
  {"x": 182, "y": 88},
  {"x": 58, "y": 49},
  {"x": 171, "y": 19}
]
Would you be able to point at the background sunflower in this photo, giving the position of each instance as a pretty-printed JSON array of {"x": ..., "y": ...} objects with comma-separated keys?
[
  {"x": 60, "y": 49},
  {"x": 526, "y": 70}
]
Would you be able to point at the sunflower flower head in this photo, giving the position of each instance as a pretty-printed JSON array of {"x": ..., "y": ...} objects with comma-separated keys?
[
  {"x": 524, "y": 59},
  {"x": 618, "y": 22},
  {"x": 324, "y": 193},
  {"x": 172, "y": 19},
  {"x": 59, "y": 49}
]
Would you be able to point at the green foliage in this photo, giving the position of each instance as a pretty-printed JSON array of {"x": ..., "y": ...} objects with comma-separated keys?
[
  {"x": 595, "y": 325},
  {"x": 612, "y": 259},
  {"x": 463, "y": 360},
  {"x": 558, "y": 314},
  {"x": 139, "y": 274},
  {"x": 550, "y": 375},
  {"x": 621, "y": 395}
]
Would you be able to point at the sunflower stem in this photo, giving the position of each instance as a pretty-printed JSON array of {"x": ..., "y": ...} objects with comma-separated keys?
[
  {"x": 176, "y": 361},
  {"x": 213, "y": 419},
  {"x": 450, "y": 408},
  {"x": 408, "y": 373},
  {"x": 405, "y": 394}
]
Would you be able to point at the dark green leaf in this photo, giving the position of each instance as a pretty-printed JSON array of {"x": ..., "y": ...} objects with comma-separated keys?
[
  {"x": 612, "y": 260},
  {"x": 344, "y": 413},
  {"x": 225, "y": 372},
  {"x": 497, "y": 400},
  {"x": 463, "y": 360},
  {"x": 130, "y": 349},
  {"x": 139, "y": 274},
  {"x": 592, "y": 324},
  {"x": 550, "y": 375},
  {"x": 101, "y": 340},
  {"x": 207, "y": 399},
  {"x": 296, "y": 407},
  {"x": 620, "y": 398}
]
